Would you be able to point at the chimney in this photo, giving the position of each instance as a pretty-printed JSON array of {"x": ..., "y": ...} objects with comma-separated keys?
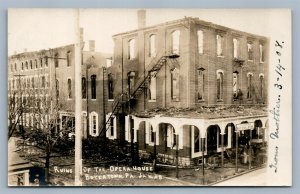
[
  {"x": 92, "y": 45},
  {"x": 81, "y": 34},
  {"x": 25, "y": 50},
  {"x": 141, "y": 14}
]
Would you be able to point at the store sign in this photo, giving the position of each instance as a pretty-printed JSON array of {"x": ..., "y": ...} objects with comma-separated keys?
[{"x": 244, "y": 126}]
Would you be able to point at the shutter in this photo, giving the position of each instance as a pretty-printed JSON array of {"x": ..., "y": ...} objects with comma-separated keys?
[
  {"x": 126, "y": 128},
  {"x": 107, "y": 131},
  {"x": 147, "y": 132},
  {"x": 115, "y": 127}
]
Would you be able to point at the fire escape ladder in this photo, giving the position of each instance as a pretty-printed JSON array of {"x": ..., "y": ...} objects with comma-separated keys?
[
  {"x": 154, "y": 66},
  {"x": 117, "y": 105}
]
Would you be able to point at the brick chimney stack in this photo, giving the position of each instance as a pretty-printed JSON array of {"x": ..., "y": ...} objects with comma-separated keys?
[{"x": 141, "y": 14}]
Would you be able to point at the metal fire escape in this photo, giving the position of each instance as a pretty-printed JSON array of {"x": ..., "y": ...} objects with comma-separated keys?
[{"x": 151, "y": 71}]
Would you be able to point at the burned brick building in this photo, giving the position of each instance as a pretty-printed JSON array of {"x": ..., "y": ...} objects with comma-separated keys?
[{"x": 187, "y": 88}]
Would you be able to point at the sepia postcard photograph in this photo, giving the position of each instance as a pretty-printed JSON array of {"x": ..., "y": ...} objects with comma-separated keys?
[{"x": 149, "y": 97}]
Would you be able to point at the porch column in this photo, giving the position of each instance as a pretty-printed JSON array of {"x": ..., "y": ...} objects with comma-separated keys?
[
  {"x": 263, "y": 135},
  {"x": 236, "y": 150},
  {"x": 222, "y": 152},
  {"x": 203, "y": 150},
  {"x": 177, "y": 170},
  {"x": 203, "y": 134},
  {"x": 178, "y": 134},
  {"x": 250, "y": 148},
  {"x": 155, "y": 130},
  {"x": 26, "y": 178},
  {"x": 131, "y": 139}
]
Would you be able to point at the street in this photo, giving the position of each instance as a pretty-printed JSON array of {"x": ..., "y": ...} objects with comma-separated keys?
[{"x": 255, "y": 178}]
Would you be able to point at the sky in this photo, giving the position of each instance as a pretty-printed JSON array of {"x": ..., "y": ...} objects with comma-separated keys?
[{"x": 36, "y": 29}]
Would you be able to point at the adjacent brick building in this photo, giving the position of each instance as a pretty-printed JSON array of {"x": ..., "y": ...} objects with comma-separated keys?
[{"x": 45, "y": 81}]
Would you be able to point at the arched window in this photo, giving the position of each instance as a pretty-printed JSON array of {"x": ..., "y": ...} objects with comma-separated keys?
[
  {"x": 69, "y": 88},
  {"x": 250, "y": 86},
  {"x": 43, "y": 82},
  {"x": 250, "y": 51},
  {"x": 175, "y": 42},
  {"x": 46, "y": 61},
  {"x": 30, "y": 64},
  {"x": 41, "y": 62},
  {"x": 32, "y": 82},
  {"x": 36, "y": 63},
  {"x": 26, "y": 65},
  {"x": 152, "y": 45},
  {"x": 93, "y": 86},
  {"x": 56, "y": 61},
  {"x": 131, "y": 79},
  {"x": 110, "y": 86},
  {"x": 200, "y": 79},
  {"x": 175, "y": 84},
  {"x": 220, "y": 45},
  {"x": 152, "y": 85},
  {"x": 235, "y": 84},
  {"x": 261, "y": 53},
  {"x": 93, "y": 130},
  {"x": 131, "y": 49},
  {"x": 111, "y": 132},
  {"x": 28, "y": 83},
  {"x": 235, "y": 48},
  {"x": 83, "y": 86},
  {"x": 68, "y": 58},
  {"x": 220, "y": 84},
  {"x": 22, "y": 66},
  {"x": 261, "y": 85},
  {"x": 15, "y": 66},
  {"x": 57, "y": 88},
  {"x": 200, "y": 41}
]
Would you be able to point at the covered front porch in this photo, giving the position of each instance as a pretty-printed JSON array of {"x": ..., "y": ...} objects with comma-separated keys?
[{"x": 190, "y": 141}]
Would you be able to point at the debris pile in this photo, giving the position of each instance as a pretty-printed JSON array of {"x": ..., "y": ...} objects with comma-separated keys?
[{"x": 205, "y": 112}]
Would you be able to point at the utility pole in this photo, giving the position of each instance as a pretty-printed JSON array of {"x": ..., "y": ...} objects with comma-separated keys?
[
  {"x": 78, "y": 103},
  {"x": 103, "y": 100}
]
